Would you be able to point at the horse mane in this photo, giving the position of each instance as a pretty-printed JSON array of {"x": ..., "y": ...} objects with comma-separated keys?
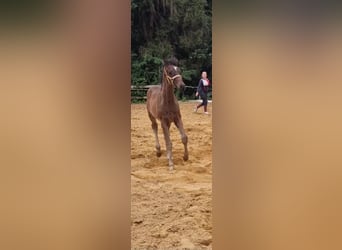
[{"x": 171, "y": 61}]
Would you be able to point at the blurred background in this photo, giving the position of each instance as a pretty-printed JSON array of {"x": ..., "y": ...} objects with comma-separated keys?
[
  {"x": 276, "y": 125},
  {"x": 64, "y": 126}
]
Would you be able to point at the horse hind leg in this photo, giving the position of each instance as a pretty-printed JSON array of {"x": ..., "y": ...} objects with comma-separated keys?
[{"x": 155, "y": 132}]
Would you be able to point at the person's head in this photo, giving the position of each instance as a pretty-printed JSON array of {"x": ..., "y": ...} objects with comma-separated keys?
[{"x": 204, "y": 74}]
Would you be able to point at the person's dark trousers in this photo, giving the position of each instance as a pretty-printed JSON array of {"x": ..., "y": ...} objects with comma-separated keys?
[{"x": 204, "y": 101}]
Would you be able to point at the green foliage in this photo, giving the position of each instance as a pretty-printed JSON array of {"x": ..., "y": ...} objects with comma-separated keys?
[
  {"x": 146, "y": 70},
  {"x": 165, "y": 28}
]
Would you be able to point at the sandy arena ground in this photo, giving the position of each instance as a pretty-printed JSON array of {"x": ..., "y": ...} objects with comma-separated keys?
[{"x": 171, "y": 210}]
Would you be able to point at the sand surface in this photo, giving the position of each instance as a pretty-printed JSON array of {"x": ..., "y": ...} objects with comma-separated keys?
[{"x": 171, "y": 210}]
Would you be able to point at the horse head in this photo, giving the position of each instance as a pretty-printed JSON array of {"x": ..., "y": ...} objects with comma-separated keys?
[{"x": 172, "y": 73}]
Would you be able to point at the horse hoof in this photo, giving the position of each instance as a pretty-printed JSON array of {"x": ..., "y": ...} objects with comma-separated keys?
[
  {"x": 185, "y": 157},
  {"x": 158, "y": 154}
]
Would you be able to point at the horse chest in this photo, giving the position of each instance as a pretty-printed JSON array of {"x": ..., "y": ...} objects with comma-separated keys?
[{"x": 168, "y": 114}]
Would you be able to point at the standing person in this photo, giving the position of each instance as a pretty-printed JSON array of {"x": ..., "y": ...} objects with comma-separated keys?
[{"x": 202, "y": 91}]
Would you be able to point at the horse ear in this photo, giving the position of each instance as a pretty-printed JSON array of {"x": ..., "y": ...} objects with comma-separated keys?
[
  {"x": 166, "y": 62},
  {"x": 174, "y": 61},
  {"x": 171, "y": 61}
]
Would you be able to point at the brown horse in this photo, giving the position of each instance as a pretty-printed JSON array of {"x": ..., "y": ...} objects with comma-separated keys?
[{"x": 162, "y": 105}]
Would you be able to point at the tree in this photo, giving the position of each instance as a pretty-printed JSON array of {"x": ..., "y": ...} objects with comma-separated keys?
[{"x": 164, "y": 28}]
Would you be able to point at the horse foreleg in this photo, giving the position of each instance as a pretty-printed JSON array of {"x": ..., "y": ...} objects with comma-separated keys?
[
  {"x": 184, "y": 137},
  {"x": 155, "y": 131},
  {"x": 168, "y": 143}
]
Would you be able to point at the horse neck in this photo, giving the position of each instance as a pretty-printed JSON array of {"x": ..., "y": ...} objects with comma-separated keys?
[{"x": 167, "y": 91}]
